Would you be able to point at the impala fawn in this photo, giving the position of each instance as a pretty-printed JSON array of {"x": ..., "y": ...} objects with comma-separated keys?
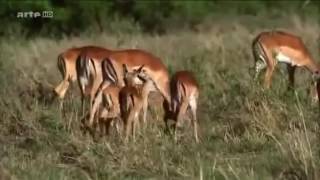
[
  {"x": 184, "y": 93},
  {"x": 106, "y": 108},
  {"x": 133, "y": 96}
]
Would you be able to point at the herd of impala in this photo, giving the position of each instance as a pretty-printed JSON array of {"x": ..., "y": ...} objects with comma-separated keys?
[{"x": 118, "y": 82}]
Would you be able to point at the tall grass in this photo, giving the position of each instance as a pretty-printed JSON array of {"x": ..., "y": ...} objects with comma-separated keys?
[{"x": 246, "y": 132}]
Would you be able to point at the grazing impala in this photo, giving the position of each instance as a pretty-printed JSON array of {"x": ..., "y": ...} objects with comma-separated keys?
[
  {"x": 132, "y": 97},
  {"x": 108, "y": 95},
  {"x": 89, "y": 74},
  {"x": 106, "y": 103},
  {"x": 67, "y": 66},
  {"x": 132, "y": 58},
  {"x": 184, "y": 93},
  {"x": 272, "y": 47}
]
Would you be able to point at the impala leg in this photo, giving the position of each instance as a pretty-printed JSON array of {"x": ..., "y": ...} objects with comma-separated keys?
[
  {"x": 82, "y": 105},
  {"x": 318, "y": 90},
  {"x": 115, "y": 122},
  {"x": 62, "y": 88},
  {"x": 61, "y": 102},
  {"x": 60, "y": 91},
  {"x": 128, "y": 124},
  {"x": 108, "y": 125},
  {"x": 313, "y": 92},
  {"x": 164, "y": 88},
  {"x": 101, "y": 124},
  {"x": 182, "y": 111},
  {"x": 135, "y": 121},
  {"x": 193, "y": 105},
  {"x": 167, "y": 114},
  {"x": 291, "y": 71},
  {"x": 118, "y": 125},
  {"x": 94, "y": 108},
  {"x": 133, "y": 130},
  {"x": 145, "y": 110},
  {"x": 166, "y": 121},
  {"x": 268, "y": 76},
  {"x": 259, "y": 66},
  {"x": 95, "y": 90}
]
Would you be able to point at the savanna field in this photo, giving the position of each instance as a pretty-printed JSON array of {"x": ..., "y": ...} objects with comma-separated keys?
[{"x": 246, "y": 132}]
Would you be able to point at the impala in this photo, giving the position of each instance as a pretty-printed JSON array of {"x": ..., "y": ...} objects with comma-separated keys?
[
  {"x": 108, "y": 96},
  {"x": 184, "y": 93},
  {"x": 132, "y": 97},
  {"x": 67, "y": 66},
  {"x": 89, "y": 74},
  {"x": 108, "y": 107},
  {"x": 112, "y": 71},
  {"x": 272, "y": 47}
]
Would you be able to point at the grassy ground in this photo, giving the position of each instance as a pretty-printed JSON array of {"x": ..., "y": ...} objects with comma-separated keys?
[{"x": 246, "y": 132}]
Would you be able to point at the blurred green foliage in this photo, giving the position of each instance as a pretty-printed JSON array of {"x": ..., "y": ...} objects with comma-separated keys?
[{"x": 157, "y": 16}]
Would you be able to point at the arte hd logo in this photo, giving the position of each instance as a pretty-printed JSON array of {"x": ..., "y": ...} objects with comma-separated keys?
[{"x": 35, "y": 14}]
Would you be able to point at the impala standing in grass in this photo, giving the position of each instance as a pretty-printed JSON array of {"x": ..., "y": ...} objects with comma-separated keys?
[
  {"x": 273, "y": 47},
  {"x": 133, "y": 96},
  {"x": 132, "y": 58},
  {"x": 67, "y": 65},
  {"x": 184, "y": 93}
]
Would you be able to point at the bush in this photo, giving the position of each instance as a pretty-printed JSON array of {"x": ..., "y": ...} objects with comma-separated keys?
[{"x": 72, "y": 18}]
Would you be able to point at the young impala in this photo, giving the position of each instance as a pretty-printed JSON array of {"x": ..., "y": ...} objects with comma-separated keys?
[
  {"x": 106, "y": 106},
  {"x": 88, "y": 72},
  {"x": 132, "y": 97},
  {"x": 272, "y": 47},
  {"x": 184, "y": 93}
]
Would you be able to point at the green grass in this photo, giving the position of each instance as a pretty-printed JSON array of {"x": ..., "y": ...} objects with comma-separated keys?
[{"x": 246, "y": 132}]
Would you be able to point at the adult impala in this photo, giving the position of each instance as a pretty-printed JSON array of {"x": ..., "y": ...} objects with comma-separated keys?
[
  {"x": 67, "y": 66},
  {"x": 273, "y": 47}
]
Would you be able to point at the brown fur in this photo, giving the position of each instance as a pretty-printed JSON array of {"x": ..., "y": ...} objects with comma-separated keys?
[
  {"x": 288, "y": 44},
  {"x": 184, "y": 94},
  {"x": 133, "y": 98},
  {"x": 131, "y": 57}
]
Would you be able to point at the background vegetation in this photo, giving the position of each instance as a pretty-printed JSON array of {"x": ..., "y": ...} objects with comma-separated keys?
[{"x": 246, "y": 132}]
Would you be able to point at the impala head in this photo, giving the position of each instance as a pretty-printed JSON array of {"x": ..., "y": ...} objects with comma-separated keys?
[
  {"x": 316, "y": 75},
  {"x": 137, "y": 76},
  {"x": 314, "y": 92}
]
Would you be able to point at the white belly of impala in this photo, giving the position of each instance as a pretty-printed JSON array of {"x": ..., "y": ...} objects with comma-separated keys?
[{"x": 280, "y": 57}]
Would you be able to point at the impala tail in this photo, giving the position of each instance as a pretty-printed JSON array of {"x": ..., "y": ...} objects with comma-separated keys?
[
  {"x": 179, "y": 90},
  {"x": 61, "y": 88},
  {"x": 85, "y": 67},
  {"x": 61, "y": 66},
  {"x": 108, "y": 71},
  {"x": 109, "y": 75},
  {"x": 260, "y": 57}
]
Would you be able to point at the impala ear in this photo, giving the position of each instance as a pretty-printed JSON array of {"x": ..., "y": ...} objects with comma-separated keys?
[
  {"x": 140, "y": 68},
  {"x": 125, "y": 69}
]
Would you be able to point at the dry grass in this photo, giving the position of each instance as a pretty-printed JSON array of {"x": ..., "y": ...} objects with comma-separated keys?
[{"x": 246, "y": 133}]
